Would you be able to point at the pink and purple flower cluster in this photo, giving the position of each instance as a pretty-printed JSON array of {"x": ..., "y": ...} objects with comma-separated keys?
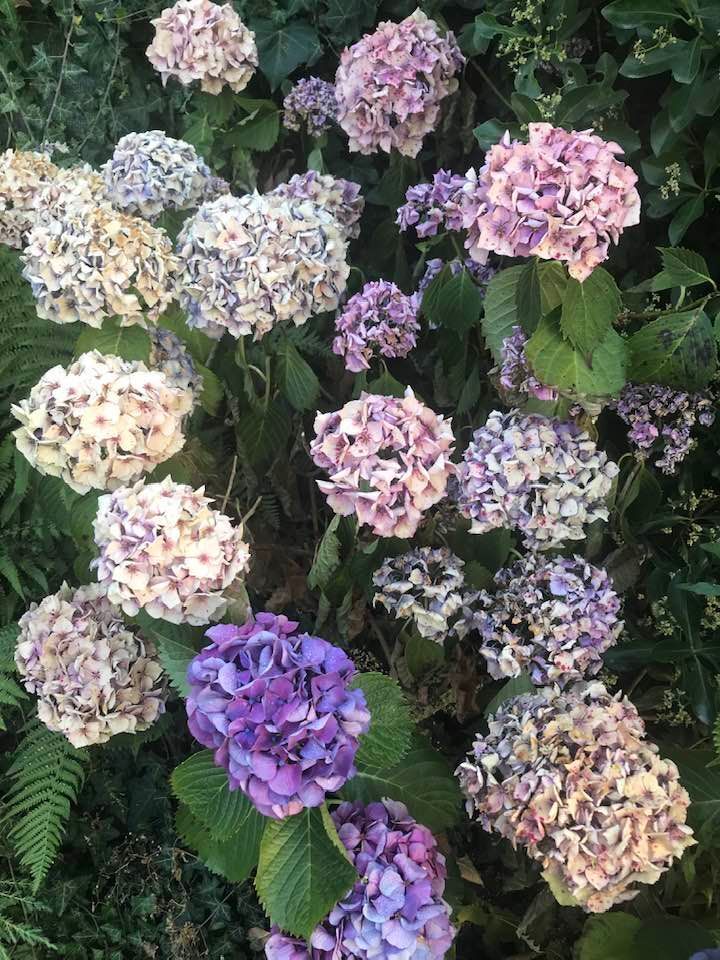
[
  {"x": 395, "y": 910},
  {"x": 380, "y": 319},
  {"x": 481, "y": 273},
  {"x": 275, "y": 706},
  {"x": 432, "y": 207},
  {"x": 310, "y": 106},
  {"x": 516, "y": 377},
  {"x": 339, "y": 198}
]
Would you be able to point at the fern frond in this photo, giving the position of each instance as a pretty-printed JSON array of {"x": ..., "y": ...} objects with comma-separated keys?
[
  {"x": 46, "y": 775},
  {"x": 17, "y": 933}
]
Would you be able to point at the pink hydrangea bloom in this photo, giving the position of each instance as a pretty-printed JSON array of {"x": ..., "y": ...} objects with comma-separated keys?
[
  {"x": 561, "y": 196},
  {"x": 389, "y": 84},
  {"x": 380, "y": 319},
  {"x": 388, "y": 460}
]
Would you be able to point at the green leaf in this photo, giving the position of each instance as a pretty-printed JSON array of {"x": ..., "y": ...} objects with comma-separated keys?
[
  {"x": 327, "y": 557},
  {"x": 528, "y": 295},
  {"x": 422, "y": 655},
  {"x": 263, "y": 433},
  {"x": 671, "y": 938},
  {"x": 388, "y": 739},
  {"x": 213, "y": 392},
  {"x": 553, "y": 282},
  {"x": 233, "y": 858},
  {"x": 177, "y": 644},
  {"x": 589, "y": 309},
  {"x": 511, "y": 688},
  {"x": 259, "y": 129},
  {"x": 203, "y": 787},
  {"x": 196, "y": 342},
  {"x": 298, "y": 381},
  {"x": 453, "y": 302},
  {"x": 701, "y": 779},
  {"x": 677, "y": 350},
  {"x": 702, "y": 588},
  {"x": 501, "y": 309},
  {"x": 687, "y": 60},
  {"x": 282, "y": 48},
  {"x": 130, "y": 343},
  {"x": 192, "y": 465},
  {"x": 422, "y": 781},
  {"x": 687, "y": 215},
  {"x": 641, "y": 13},
  {"x": 303, "y": 871},
  {"x": 387, "y": 386},
  {"x": 609, "y": 937},
  {"x": 681, "y": 268}
]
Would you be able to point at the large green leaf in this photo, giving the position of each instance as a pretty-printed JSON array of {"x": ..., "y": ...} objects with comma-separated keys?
[
  {"x": 177, "y": 644},
  {"x": 589, "y": 310},
  {"x": 233, "y": 858},
  {"x": 298, "y": 381},
  {"x": 453, "y": 302},
  {"x": 678, "y": 350},
  {"x": 511, "y": 688},
  {"x": 283, "y": 47},
  {"x": 501, "y": 309},
  {"x": 130, "y": 343},
  {"x": 327, "y": 557},
  {"x": 641, "y": 13},
  {"x": 388, "y": 739},
  {"x": 609, "y": 937},
  {"x": 263, "y": 432},
  {"x": 203, "y": 787},
  {"x": 681, "y": 268},
  {"x": 303, "y": 871},
  {"x": 671, "y": 938},
  {"x": 702, "y": 781},
  {"x": 259, "y": 128}
]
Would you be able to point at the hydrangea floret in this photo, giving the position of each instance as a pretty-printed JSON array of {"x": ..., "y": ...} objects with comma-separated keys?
[
  {"x": 516, "y": 377},
  {"x": 165, "y": 550},
  {"x": 395, "y": 910},
  {"x": 95, "y": 262},
  {"x": 170, "y": 356},
  {"x": 335, "y": 196},
  {"x": 380, "y": 319},
  {"x": 200, "y": 40},
  {"x": 390, "y": 84},
  {"x": 388, "y": 461},
  {"x": 275, "y": 706},
  {"x": 542, "y": 476},
  {"x": 150, "y": 172},
  {"x": 570, "y": 777},
  {"x": 101, "y": 422},
  {"x": 661, "y": 420},
  {"x": 551, "y": 618},
  {"x": 425, "y": 585},
  {"x": 432, "y": 207},
  {"x": 310, "y": 106},
  {"x": 252, "y": 262},
  {"x": 93, "y": 677},
  {"x": 561, "y": 196}
]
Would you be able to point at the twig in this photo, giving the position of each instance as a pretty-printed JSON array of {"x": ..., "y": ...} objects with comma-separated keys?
[
  {"x": 60, "y": 78},
  {"x": 230, "y": 483}
]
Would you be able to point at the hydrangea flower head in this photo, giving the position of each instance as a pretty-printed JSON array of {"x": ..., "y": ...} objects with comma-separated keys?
[
  {"x": 552, "y": 618},
  {"x": 424, "y": 585},
  {"x": 388, "y": 461},
  {"x": 379, "y": 319},
  {"x": 390, "y": 84},
  {"x": 516, "y": 378},
  {"x": 249, "y": 263},
  {"x": 200, "y": 40},
  {"x": 570, "y": 778},
  {"x": 661, "y": 420},
  {"x": 92, "y": 676},
  {"x": 169, "y": 355},
  {"x": 165, "y": 550},
  {"x": 311, "y": 106},
  {"x": 276, "y": 708},
  {"x": 431, "y": 207},
  {"x": 339, "y": 198},
  {"x": 102, "y": 422},
  {"x": 561, "y": 196},
  {"x": 538, "y": 474},
  {"x": 395, "y": 910},
  {"x": 151, "y": 172},
  {"x": 95, "y": 262}
]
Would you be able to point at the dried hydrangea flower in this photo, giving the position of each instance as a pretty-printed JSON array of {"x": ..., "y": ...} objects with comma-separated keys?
[
  {"x": 516, "y": 377},
  {"x": 151, "y": 172},
  {"x": 335, "y": 196},
  {"x": 389, "y": 84},
  {"x": 395, "y": 910},
  {"x": 561, "y": 196},
  {"x": 92, "y": 676},
  {"x": 569, "y": 777},
  {"x": 552, "y": 618},
  {"x": 538, "y": 474},
  {"x": 200, "y": 40},
  {"x": 424, "y": 585},
  {"x": 102, "y": 422},
  {"x": 276, "y": 708},
  {"x": 95, "y": 262},
  {"x": 380, "y": 319},
  {"x": 661, "y": 420},
  {"x": 163, "y": 549},
  {"x": 170, "y": 356},
  {"x": 432, "y": 207},
  {"x": 251, "y": 262},
  {"x": 310, "y": 106},
  {"x": 388, "y": 461}
]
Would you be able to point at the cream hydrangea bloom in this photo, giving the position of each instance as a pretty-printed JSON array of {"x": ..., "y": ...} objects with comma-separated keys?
[
  {"x": 102, "y": 422},
  {"x": 165, "y": 550},
  {"x": 93, "y": 677}
]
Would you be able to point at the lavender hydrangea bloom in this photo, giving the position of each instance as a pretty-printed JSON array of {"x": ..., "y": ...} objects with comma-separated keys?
[
  {"x": 661, "y": 420},
  {"x": 395, "y": 911},
  {"x": 516, "y": 378},
  {"x": 431, "y": 207},
  {"x": 481, "y": 273},
  {"x": 553, "y": 618},
  {"x": 538, "y": 474},
  {"x": 311, "y": 105},
  {"x": 275, "y": 706},
  {"x": 710, "y": 954},
  {"x": 339, "y": 198},
  {"x": 382, "y": 319},
  {"x": 169, "y": 355}
]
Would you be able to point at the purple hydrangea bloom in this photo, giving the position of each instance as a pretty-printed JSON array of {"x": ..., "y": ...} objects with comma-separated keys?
[
  {"x": 310, "y": 105},
  {"x": 431, "y": 207},
  {"x": 482, "y": 273},
  {"x": 275, "y": 707},
  {"x": 380, "y": 318},
  {"x": 661, "y": 419},
  {"x": 710, "y": 954},
  {"x": 516, "y": 378},
  {"x": 395, "y": 911}
]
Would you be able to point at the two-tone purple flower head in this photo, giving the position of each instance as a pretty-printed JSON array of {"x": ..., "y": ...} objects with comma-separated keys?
[{"x": 276, "y": 708}]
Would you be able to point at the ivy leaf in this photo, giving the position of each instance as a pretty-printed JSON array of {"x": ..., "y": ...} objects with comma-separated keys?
[
  {"x": 303, "y": 870},
  {"x": 589, "y": 309},
  {"x": 282, "y": 48},
  {"x": 263, "y": 432},
  {"x": 388, "y": 739},
  {"x": 501, "y": 309},
  {"x": 298, "y": 381},
  {"x": 177, "y": 644},
  {"x": 677, "y": 350},
  {"x": 130, "y": 343},
  {"x": 327, "y": 557},
  {"x": 202, "y": 787},
  {"x": 233, "y": 858}
]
